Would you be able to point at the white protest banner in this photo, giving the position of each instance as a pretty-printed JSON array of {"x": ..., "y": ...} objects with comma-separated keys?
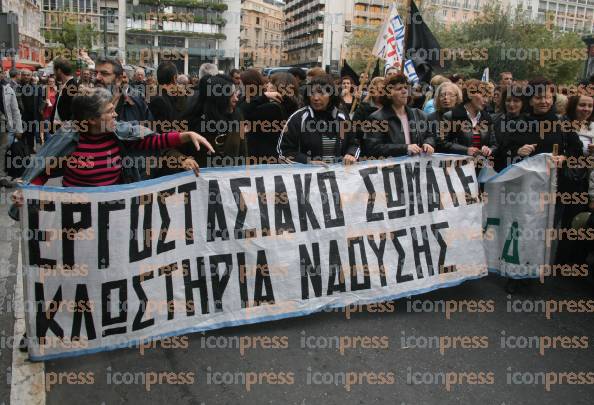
[
  {"x": 518, "y": 217},
  {"x": 108, "y": 267}
]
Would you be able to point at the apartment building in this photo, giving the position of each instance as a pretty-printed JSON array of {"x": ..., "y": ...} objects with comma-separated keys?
[
  {"x": 261, "y": 33},
  {"x": 575, "y": 15},
  {"x": 186, "y": 33},
  {"x": 370, "y": 14},
  {"x": 450, "y": 12},
  {"x": 31, "y": 41},
  {"x": 103, "y": 16},
  {"x": 316, "y": 31},
  {"x": 569, "y": 16}
]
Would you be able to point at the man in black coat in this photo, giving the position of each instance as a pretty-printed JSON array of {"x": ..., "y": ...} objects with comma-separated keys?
[
  {"x": 168, "y": 105},
  {"x": 32, "y": 100},
  {"x": 62, "y": 109}
]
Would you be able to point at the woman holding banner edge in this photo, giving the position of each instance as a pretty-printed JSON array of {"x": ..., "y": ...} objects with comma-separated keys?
[{"x": 99, "y": 146}]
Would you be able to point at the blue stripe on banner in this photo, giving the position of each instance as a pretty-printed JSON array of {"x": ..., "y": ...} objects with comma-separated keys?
[
  {"x": 506, "y": 169},
  {"x": 135, "y": 342},
  {"x": 145, "y": 183}
]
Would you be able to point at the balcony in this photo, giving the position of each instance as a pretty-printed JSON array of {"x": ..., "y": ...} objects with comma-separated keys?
[{"x": 305, "y": 44}]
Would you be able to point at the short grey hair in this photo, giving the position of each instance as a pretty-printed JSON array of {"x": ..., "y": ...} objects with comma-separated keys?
[
  {"x": 89, "y": 103},
  {"x": 208, "y": 69}
]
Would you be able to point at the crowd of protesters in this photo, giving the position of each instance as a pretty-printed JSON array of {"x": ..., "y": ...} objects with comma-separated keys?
[{"x": 297, "y": 116}]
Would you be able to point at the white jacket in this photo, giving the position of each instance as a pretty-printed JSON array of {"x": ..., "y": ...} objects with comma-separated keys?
[{"x": 13, "y": 121}]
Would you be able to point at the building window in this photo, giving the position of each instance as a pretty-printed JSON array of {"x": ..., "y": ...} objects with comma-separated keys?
[{"x": 177, "y": 42}]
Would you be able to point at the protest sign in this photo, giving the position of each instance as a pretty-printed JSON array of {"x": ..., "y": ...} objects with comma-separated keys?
[{"x": 110, "y": 266}]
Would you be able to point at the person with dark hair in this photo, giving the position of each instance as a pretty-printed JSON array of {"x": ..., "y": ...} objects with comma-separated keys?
[
  {"x": 347, "y": 95},
  {"x": 316, "y": 133},
  {"x": 252, "y": 86},
  {"x": 457, "y": 79},
  {"x": 195, "y": 104},
  {"x": 505, "y": 125},
  {"x": 15, "y": 78},
  {"x": 235, "y": 74},
  {"x": 99, "y": 143},
  {"x": 408, "y": 129},
  {"x": 32, "y": 100},
  {"x": 266, "y": 115},
  {"x": 541, "y": 115},
  {"x": 170, "y": 101},
  {"x": 370, "y": 104},
  {"x": 167, "y": 107},
  {"x": 418, "y": 96},
  {"x": 494, "y": 104},
  {"x": 219, "y": 120},
  {"x": 546, "y": 132},
  {"x": 11, "y": 126},
  {"x": 64, "y": 74},
  {"x": 467, "y": 128},
  {"x": 580, "y": 110},
  {"x": 298, "y": 73},
  {"x": 129, "y": 107}
]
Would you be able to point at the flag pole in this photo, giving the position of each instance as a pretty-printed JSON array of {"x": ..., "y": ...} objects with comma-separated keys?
[
  {"x": 370, "y": 62},
  {"x": 407, "y": 23}
]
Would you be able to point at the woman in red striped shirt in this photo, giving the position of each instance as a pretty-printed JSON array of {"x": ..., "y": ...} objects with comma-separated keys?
[{"x": 97, "y": 158}]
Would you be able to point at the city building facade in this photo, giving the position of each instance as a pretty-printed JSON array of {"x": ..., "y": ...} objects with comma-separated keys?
[
  {"x": 261, "y": 33},
  {"x": 316, "y": 31},
  {"x": 569, "y": 16},
  {"x": 188, "y": 33},
  {"x": 31, "y": 41}
]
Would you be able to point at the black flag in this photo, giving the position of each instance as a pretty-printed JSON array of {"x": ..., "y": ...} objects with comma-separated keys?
[
  {"x": 419, "y": 37},
  {"x": 376, "y": 71},
  {"x": 347, "y": 70}
]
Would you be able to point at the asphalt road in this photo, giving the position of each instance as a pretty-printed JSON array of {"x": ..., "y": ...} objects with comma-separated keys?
[{"x": 385, "y": 354}]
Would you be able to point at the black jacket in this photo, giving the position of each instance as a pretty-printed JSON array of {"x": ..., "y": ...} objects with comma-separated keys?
[
  {"x": 530, "y": 134},
  {"x": 457, "y": 131},
  {"x": 167, "y": 109},
  {"x": 393, "y": 143},
  {"x": 64, "y": 101},
  {"x": 33, "y": 102},
  {"x": 362, "y": 114},
  {"x": 262, "y": 140},
  {"x": 301, "y": 142}
]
